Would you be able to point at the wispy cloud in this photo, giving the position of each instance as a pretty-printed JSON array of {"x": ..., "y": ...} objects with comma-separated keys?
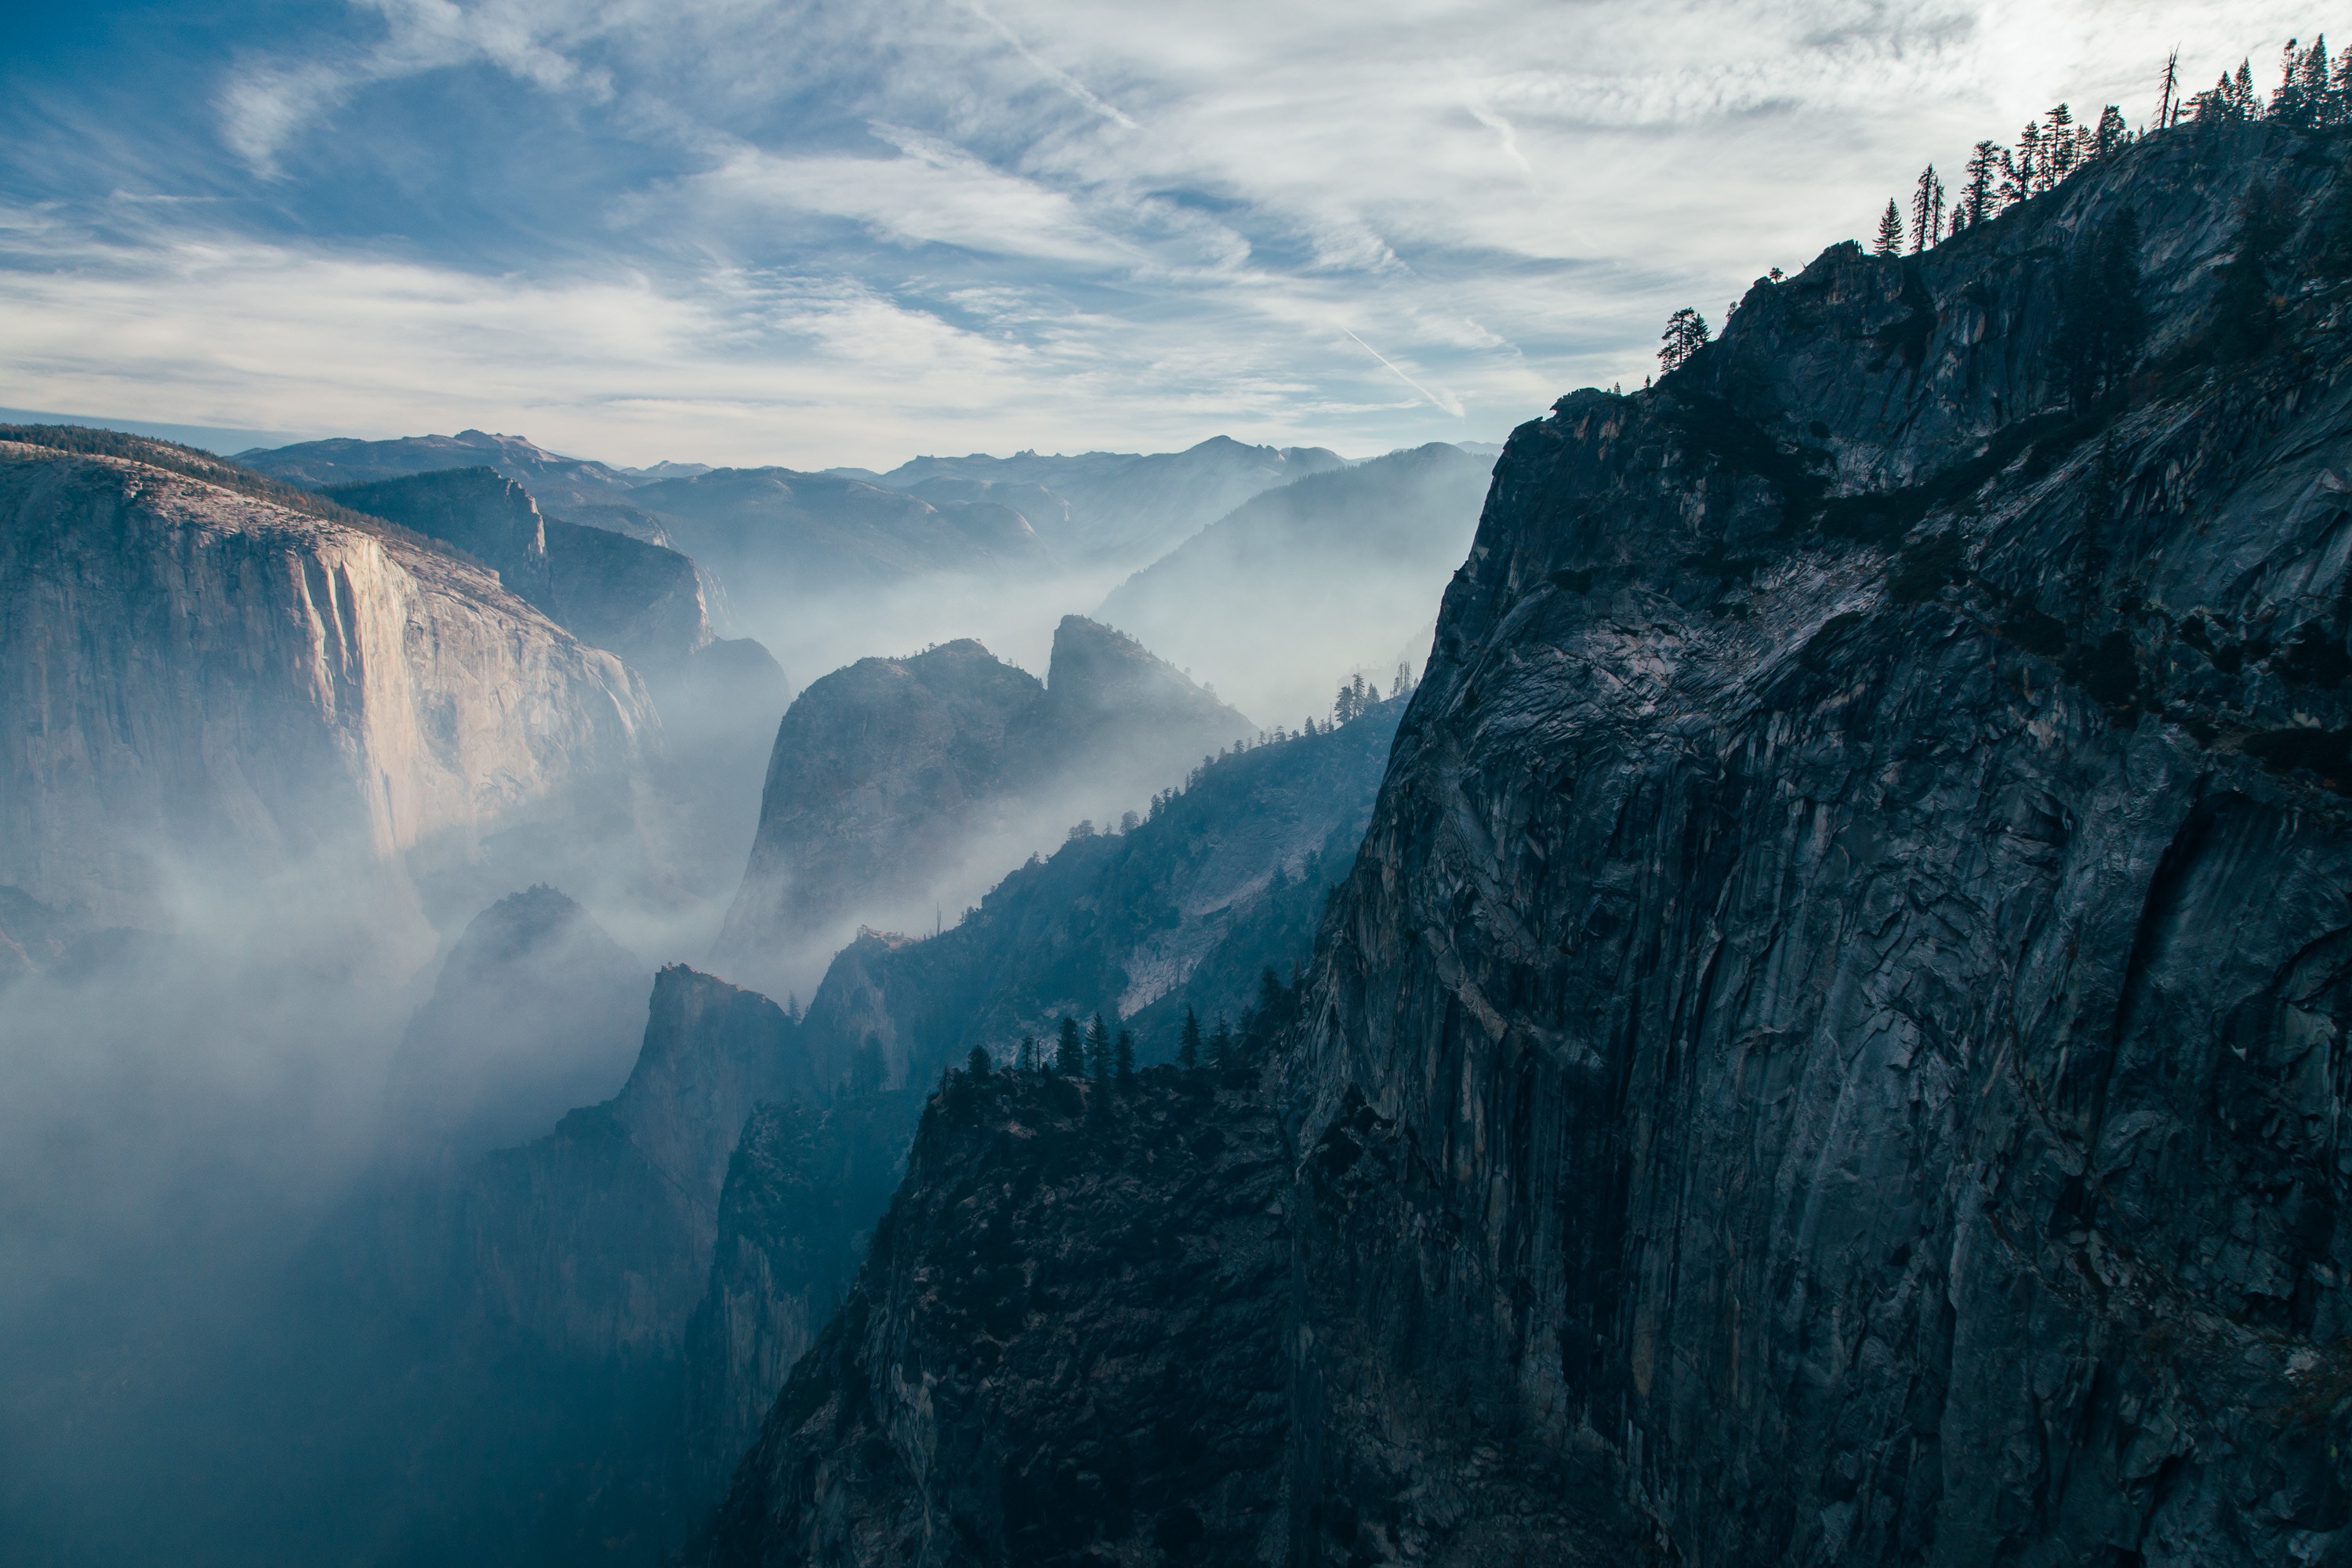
[{"x": 842, "y": 230}]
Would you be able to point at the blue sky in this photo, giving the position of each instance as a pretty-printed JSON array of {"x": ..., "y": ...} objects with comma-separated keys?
[{"x": 850, "y": 233}]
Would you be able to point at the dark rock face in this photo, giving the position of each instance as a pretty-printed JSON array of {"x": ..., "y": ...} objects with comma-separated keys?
[
  {"x": 482, "y": 512},
  {"x": 892, "y": 780},
  {"x": 1825, "y": 1054},
  {"x": 483, "y": 1359},
  {"x": 1066, "y": 1347},
  {"x": 597, "y": 1235},
  {"x": 641, "y": 601},
  {"x": 804, "y": 1189},
  {"x": 1348, "y": 564},
  {"x": 1828, "y": 1025},
  {"x": 533, "y": 1013}
]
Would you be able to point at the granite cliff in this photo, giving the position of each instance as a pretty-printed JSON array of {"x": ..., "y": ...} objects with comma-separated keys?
[
  {"x": 1828, "y": 1052},
  {"x": 893, "y": 783},
  {"x": 197, "y": 667},
  {"x": 718, "y": 696},
  {"x": 478, "y": 1357}
]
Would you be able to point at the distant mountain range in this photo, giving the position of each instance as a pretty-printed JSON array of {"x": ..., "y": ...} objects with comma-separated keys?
[
  {"x": 1339, "y": 569},
  {"x": 1118, "y": 509}
]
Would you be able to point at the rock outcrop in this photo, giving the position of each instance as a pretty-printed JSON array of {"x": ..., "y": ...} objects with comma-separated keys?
[
  {"x": 641, "y": 601},
  {"x": 482, "y": 1357},
  {"x": 1827, "y": 1052},
  {"x": 1086, "y": 1282},
  {"x": 193, "y": 672},
  {"x": 804, "y": 1189},
  {"x": 898, "y": 785}
]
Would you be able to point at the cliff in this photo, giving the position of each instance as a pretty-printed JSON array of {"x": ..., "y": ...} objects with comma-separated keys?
[
  {"x": 641, "y": 601},
  {"x": 1130, "y": 1241},
  {"x": 481, "y": 1356},
  {"x": 193, "y": 672},
  {"x": 896, "y": 785},
  {"x": 804, "y": 1189},
  {"x": 1825, "y": 1053}
]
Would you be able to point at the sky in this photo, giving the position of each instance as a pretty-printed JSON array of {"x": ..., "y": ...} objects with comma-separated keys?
[{"x": 850, "y": 233}]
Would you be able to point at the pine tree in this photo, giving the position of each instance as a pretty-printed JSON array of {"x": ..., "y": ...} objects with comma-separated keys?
[
  {"x": 1927, "y": 210},
  {"x": 2287, "y": 102},
  {"x": 1222, "y": 1053},
  {"x": 1685, "y": 334},
  {"x": 2111, "y": 135},
  {"x": 2167, "y": 107},
  {"x": 2033, "y": 179},
  {"x": 1069, "y": 1055},
  {"x": 2058, "y": 143},
  {"x": 1027, "y": 1059},
  {"x": 2016, "y": 184},
  {"x": 1123, "y": 1057},
  {"x": 978, "y": 1064},
  {"x": 2241, "y": 92},
  {"x": 1188, "y": 1042},
  {"x": 1890, "y": 231},
  {"x": 1979, "y": 197},
  {"x": 1097, "y": 1049}
]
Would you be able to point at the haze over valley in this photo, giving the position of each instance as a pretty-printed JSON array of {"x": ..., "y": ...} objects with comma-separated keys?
[{"x": 1441, "y": 904}]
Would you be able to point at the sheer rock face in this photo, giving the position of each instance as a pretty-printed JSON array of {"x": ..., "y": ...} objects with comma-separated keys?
[
  {"x": 1828, "y": 1053},
  {"x": 804, "y": 1188},
  {"x": 188, "y": 672},
  {"x": 1833, "y": 1027},
  {"x": 893, "y": 777},
  {"x": 595, "y": 1238},
  {"x": 1065, "y": 1346},
  {"x": 640, "y": 600}
]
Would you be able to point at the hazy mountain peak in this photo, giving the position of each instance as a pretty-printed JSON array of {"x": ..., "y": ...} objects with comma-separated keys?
[{"x": 1099, "y": 671}]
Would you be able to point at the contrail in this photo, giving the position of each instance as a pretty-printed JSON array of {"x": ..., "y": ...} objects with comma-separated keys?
[
  {"x": 1446, "y": 404},
  {"x": 1061, "y": 78}
]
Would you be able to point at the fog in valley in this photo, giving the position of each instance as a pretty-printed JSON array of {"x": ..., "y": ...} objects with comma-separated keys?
[
  {"x": 822, "y": 785},
  {"x": 271, "y": 1013}
]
